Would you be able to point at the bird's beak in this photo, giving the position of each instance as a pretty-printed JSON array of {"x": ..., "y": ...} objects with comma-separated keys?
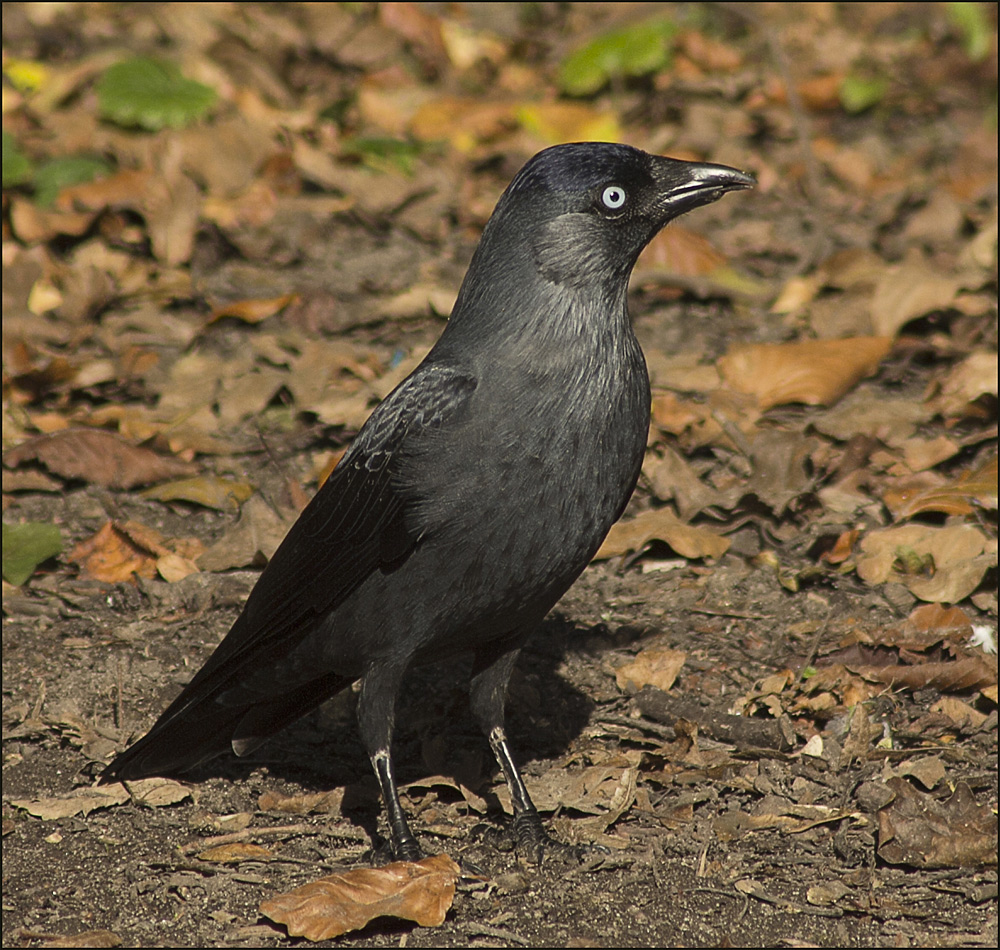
[{"x": 687, "y": 185}]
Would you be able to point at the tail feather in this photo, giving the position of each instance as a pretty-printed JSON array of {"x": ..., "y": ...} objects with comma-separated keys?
[{"x": 184, "y": 738}]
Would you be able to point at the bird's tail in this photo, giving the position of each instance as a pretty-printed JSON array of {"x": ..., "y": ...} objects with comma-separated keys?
[{"x": 188, "y": 734}]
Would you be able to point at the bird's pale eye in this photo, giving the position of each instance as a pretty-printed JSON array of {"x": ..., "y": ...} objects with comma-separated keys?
[{"x": 613, "y": 197}]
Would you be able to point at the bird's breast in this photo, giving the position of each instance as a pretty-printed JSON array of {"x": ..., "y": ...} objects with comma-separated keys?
[{"x": 526, "y": 486}]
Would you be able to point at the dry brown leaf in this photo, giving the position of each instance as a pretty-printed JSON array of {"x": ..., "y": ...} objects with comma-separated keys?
[
  {"x": 815, "y": 372},
  {"x": 111, "y": 556},
  {"x": 941, "y": 565},
  {"x": 175, "y": 567},
  {"x": 81, "y": 801},
  {"x": 663, "y": 525},
  {"x": 171, "y": 208},
  {"x": 916, "y": 830},
  {"x": 325, "y": 803},
  {"x": 421, "y": 891},
  {"x": 909, "y": 290},
  {"x": 842, "y": 548},
  {"x": 975, "y": 376},
  {"x": 797, "y": 292},
  {"x": 845, "y": 686},
  {"x": 254, "y": 310},
  {"x": 821, "y": 92},
  {"x": 957, "y": 676},
  {"x": 928, "y": 770},
  {"x": 959, "y": 497},
  {"x": 117, "y": 551},
  {"x": 154, "y": 792},
  {"x": 98, "y": 456},
  {"x": 158, "y": 792},
  {"x": 32, "y": 224},
  {"x": 922, "y": 454},
  {"x": 962, "y": 713},
  {"x": 651, "y": 667},
  {"x": 234, "y": 852},
  {"x": 927, "y": 626},
  {"x": 676, "y": 416},
  {"x": 211, "y": 491},
  {"x": 672, "y": 479},
  {"x": 868, "y": 411}
]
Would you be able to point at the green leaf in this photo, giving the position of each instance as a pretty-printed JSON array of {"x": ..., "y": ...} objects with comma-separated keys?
[
  {"x": 25, "y": 546},
  {"x": 151, "y": 94},
  {"x": 858, "y": 93},
  {"x": 977, "y": 34},
  {"x": 631, "y": 51},
  {"x": 16, "y": 165},
  {"x": 384, "y": 154},
  {"x": 59, "y": 173}
]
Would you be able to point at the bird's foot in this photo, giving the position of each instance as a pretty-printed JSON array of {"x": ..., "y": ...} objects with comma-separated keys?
[
  {"x": 389, "y": 851},
  {"x": 533, "y": 842}
]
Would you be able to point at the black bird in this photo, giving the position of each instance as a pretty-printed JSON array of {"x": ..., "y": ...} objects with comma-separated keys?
[{"x": 475, "y": 494}]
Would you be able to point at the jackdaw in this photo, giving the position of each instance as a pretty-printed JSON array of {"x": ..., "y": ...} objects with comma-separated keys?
[{"x": 476, "y": 493}]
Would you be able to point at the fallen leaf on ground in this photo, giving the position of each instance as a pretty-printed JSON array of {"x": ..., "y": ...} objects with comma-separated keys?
[
  {"x": 663, "y": 525},
  {"x": 421, "y": 891},
  {"x": 153, "y": 792},
  {"x": 958, "y": 497},
  {"x": 870, "y": 412},
  {"x": 909, "y": 290},
  {"x": 211, "y": 491},
  {"x": 916, "y": 830},
  {"x": 942, "y": 565},
  {"x": 117, "y": 551},
  {"x": 234, "y": 852},
  {"x": 324, "y": 803},
  {"x": 255, "y": 310},
  {"x": 651, "y": 667},
  {"x": 97, "y": 456},
  {"x": 953, "y": 395},
  {"x": 814, "y": 372}
]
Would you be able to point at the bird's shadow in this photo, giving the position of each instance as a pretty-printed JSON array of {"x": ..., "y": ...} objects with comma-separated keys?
[{"x": 436, "y": 733}]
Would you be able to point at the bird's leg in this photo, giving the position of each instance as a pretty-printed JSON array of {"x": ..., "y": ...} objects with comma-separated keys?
[
  {"x": 488, "y": 691},
  {"x": 404, "y": 845},
  {"x": 376, "y": 717},
  {"x": 529, "y": 833}
]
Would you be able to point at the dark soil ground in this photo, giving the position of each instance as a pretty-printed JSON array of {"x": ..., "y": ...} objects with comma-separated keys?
[{"x": 717, "y": 836}]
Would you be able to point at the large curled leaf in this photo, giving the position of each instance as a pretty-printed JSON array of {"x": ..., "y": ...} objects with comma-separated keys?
[
  {"x": 630, "y": 51},
  {"x": 151, "y": 94},
  {"x": 25, "y": 546}
]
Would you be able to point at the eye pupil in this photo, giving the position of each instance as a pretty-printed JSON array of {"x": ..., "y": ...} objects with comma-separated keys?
[{"x": 613, "y": 197}]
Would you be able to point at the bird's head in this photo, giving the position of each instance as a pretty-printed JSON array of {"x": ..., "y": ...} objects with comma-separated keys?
[{"x": 587, "y": 209}]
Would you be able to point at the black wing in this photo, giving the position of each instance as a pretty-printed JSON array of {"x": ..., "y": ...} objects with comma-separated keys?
[{"x": 352, "y": 527}]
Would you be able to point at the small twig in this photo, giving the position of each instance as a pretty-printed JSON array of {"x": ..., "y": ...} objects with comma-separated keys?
[{"x": 119, "y": 689}]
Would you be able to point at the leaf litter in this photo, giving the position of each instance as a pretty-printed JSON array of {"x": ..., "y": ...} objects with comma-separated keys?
[{"x": 226, "y": 299}]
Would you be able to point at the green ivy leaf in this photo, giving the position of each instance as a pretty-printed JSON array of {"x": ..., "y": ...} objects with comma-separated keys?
[
  {"x": 977, "y": 34},
  {"x": 858, "y": 93},
  {"x": 25, "y": 546},
  {"x": 16, "y": 165},
  {"x": 631, "y": 51},
  {"x": 59, "y": 173},
  {"x": 151, "y": 94}
]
